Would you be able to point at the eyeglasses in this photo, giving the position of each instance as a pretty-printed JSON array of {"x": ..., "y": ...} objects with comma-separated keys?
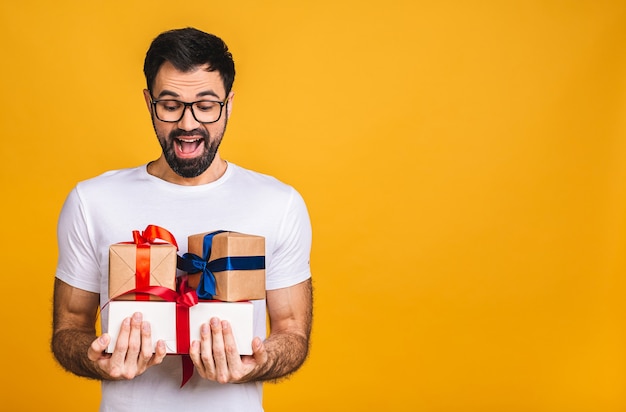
[{"x": 204, "y": 111}]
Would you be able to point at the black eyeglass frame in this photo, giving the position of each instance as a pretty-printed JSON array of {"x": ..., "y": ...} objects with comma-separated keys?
[{"x": 154, "y": 102}]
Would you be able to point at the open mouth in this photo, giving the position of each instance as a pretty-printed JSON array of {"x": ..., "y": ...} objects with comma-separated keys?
[{"x": 188, "y": 146}]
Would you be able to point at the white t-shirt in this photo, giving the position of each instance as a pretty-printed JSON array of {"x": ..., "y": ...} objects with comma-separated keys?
[{"x": 106, "y": 209}]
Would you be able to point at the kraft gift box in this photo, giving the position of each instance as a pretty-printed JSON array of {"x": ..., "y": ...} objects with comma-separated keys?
[
  {"x": 123, "y": 264},
  {"x": 231, "y": 285}
]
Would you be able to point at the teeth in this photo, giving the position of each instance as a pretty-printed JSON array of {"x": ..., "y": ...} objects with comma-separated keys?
[{"x": 180, "y": 141}]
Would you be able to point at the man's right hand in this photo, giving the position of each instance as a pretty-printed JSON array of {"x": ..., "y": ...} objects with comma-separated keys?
[{"x": 132, "y": 354}]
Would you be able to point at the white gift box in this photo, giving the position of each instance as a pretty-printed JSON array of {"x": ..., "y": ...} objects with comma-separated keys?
[{"x": 162, "y": 318}]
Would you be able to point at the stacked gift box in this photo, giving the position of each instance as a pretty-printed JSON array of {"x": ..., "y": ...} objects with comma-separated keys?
[{"x": 225, "y": 270}]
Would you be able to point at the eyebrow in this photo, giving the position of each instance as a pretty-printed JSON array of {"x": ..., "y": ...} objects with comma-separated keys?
[{"x": 174, "y": 94}]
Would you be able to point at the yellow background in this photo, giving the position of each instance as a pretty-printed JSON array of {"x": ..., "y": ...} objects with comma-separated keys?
[{"x": 464, "y": 164}]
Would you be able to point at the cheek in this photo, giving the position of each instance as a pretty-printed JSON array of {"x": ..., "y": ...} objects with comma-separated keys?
[
  {"x": 162, "y": 130},
  {"x": 216, "y": 129}
]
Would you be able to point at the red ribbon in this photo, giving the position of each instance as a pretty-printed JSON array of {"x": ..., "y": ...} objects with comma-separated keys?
[
  {"x": 144, "y": 240},
  {"x": 153, "y": 233},
  {"x": 142, "y": 269},
  {"x": 184, "y": 298}
]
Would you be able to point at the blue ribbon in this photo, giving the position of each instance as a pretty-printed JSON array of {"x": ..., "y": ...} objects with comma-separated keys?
[{"x": 193, "y": 263}]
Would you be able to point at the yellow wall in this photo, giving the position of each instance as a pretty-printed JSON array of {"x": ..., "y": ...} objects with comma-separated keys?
[{"x": 464, "y": 163}]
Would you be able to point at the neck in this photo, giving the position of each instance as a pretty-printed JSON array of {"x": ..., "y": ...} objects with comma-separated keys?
[{"x": 161, "y": 169}]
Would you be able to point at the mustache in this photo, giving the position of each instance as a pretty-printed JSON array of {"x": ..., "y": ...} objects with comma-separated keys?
[{"x": 189, "y": 133}]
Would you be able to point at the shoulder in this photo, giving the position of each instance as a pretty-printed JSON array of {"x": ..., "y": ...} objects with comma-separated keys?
[
  {"x": 112, "y": 179},
  {"x": 260, "y": 182}
]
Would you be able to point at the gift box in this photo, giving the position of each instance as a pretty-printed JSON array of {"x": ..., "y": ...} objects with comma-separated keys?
[
  {"x": 233, "y": 265},
  {"x": 143, "y": 263},
  {"x": 160, "y": 269},
  {"x": 163, "y": 322}
]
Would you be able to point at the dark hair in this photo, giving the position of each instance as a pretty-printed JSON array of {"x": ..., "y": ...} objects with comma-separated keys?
[{"x": 187, "y": 49}]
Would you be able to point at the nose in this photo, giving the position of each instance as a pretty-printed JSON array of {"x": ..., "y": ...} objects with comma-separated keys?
[{"x": 188, "y": 122}]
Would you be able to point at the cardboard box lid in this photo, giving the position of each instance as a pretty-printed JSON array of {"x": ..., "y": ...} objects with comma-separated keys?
[{"x": 228, "y": 244}]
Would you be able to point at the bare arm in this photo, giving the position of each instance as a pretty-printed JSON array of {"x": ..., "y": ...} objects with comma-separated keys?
[
  {"x": 287, "y": 346},
  {"x": 73, "y": 329},
  {"x": 282, "y": 353},
  {"x": 79, "y": 350}
]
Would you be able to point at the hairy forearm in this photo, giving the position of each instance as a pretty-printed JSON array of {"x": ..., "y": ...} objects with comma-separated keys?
[
  {"x": 286, "y": 353},
  {"x": 287, "y": 346},
  {"x": 70, "y": 349}
]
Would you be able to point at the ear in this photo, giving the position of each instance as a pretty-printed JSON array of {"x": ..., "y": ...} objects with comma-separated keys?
[
  {"x": 148, "y": 98},
  {"x": 229, "y": 103}
]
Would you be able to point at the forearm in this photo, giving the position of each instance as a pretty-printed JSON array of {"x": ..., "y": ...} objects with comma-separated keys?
[
  {"x": 291, "y": 318},
  {"x": 70, "y": 349},
  {"x": 286, "y": 353},
  {"x": 74, "y": 319}
]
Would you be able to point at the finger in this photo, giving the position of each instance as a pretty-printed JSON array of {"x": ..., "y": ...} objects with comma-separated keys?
[
  {"x": 230, "y": 346},
  {"x": 200, "y": 353},
  {"x": 121, "y": 344},
  {"x": 259, "y": 357},
  {"x": 194, "y": 349},
  {"x": 146, "y": 345},
  {"x": 98, "y": 346},
  {"x": 258, "y": 351},
  {"x": 206, "y": 351},
  {"x": 134, "y": 337},
  {"x": 159, "y": 353},
  {"x": 194, "y": 354},
  {"x": 219, "y": 355},
  {"x": 118, "y": 357}
]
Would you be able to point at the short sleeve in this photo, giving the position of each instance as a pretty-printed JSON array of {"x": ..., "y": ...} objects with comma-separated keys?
[
  {"x": 77, "y": 262},
  {"x": 291, "y": 257}
]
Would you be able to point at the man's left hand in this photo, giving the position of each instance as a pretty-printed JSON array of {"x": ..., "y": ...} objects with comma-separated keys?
[{"x": 216, "y": 356}]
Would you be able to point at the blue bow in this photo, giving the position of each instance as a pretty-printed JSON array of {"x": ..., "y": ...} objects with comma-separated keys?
[{"x": 193, "y": 263}]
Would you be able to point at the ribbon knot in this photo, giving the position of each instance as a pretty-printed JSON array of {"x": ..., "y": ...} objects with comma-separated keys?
[
  {"x": 143, "y": 241},
  {"x": 187, "y": 296},
  {"x": 192, "y": 263},
  {"x": 151, "y": 234}
]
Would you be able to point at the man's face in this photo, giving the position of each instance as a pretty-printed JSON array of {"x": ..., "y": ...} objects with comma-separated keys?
[{"x": 188, "y": 146}]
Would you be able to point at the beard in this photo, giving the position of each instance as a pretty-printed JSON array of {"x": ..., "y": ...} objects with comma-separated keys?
[{"x": 189, "y": 168}]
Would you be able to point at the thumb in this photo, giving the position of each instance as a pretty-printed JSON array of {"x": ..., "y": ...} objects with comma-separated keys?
[
  {"x": 258, "y": 351},
  {"x": 98, "y": 346}
]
